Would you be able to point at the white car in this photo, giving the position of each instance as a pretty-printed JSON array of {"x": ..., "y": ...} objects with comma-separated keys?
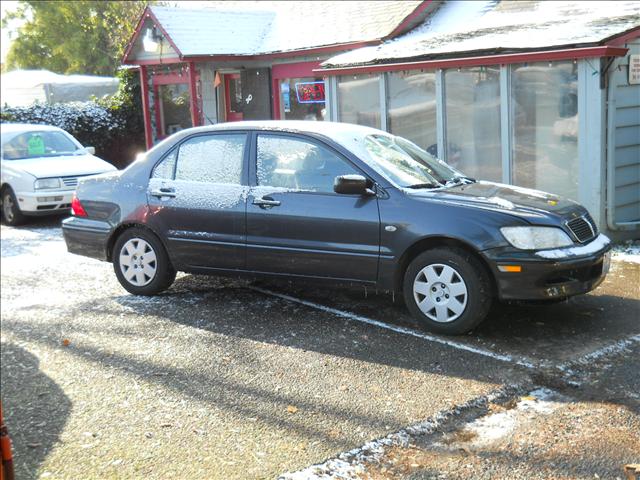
[{"x": 41, "y": 165}]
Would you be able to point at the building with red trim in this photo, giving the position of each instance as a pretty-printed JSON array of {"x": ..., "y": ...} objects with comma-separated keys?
[{"x": 544, "y": 95}]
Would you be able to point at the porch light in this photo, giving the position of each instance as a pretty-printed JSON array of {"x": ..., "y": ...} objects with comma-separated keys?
[{"x": 151, "y": 40}]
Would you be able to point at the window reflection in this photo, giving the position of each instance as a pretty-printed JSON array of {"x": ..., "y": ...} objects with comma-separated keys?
[
  {"x": 472, "y": 103},
  {"x": 359, "y": 100},
  {"x": 545, "y": 127}
]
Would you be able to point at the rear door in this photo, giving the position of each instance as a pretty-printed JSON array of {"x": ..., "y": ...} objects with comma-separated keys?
[
  {"x": 297, "y": 224},
  {"x": 197, "y": 198}
]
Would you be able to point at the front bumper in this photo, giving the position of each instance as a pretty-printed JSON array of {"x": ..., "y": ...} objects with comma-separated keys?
[
  {"x": 87, "y": 237},
  {"x": 579, "y": 271},
  {"x": 45, "y": 202}
]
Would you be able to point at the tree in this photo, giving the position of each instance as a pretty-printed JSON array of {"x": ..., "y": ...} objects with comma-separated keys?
[{"x": 72, "y": 36}]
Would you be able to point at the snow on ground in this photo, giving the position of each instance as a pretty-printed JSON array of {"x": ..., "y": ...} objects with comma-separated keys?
[{"x": 628, "y": 251}]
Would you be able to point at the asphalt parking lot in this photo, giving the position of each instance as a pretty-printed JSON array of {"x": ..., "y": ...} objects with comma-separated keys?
[{"x": 221, "y": 378}]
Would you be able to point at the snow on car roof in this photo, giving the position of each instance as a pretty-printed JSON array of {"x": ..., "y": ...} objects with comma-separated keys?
[{"x": 476, "y": 26}]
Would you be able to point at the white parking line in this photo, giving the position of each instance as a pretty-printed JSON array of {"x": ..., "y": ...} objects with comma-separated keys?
[
  {"x": 404, "y": 330},
  {"x": 605, "y": 351}
]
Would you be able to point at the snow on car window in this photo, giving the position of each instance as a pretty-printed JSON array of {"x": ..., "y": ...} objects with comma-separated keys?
[
  {"x": 165, "y": 168},
  {"x": 212, "y": 159},
  {"x": 299, "y": 165}
]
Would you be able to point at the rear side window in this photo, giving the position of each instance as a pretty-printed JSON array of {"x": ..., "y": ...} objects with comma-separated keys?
[
  {"x": 212, "y": 159},
  {"x": 166, "y": 167},
  {"x": 298, "y": 164}
]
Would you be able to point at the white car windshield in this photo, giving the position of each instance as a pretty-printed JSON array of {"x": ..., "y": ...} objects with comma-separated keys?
[
  {"x": 38, "y": 144},
  {"x": 409, "y": 166}
]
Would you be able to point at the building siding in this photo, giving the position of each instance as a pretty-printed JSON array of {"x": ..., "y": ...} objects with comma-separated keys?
[{"x": 624, "y": 150}]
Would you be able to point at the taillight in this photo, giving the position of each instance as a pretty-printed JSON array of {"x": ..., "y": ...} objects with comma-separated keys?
[{"x": 77, "y": 210}]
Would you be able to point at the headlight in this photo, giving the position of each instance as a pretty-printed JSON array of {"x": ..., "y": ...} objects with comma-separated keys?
[
  {"x": 536, "y": 238},
  {"x": 46, "y": 183}
]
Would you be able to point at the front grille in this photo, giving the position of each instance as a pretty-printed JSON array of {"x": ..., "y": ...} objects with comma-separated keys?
[
  {"x": 70, "y": 181},
  {"x": 583, "y": 228}
]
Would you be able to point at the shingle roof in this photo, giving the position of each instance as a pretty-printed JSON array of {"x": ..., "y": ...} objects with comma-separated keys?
[
  {"x": 291, "y": 26},
  {"x": 472, "y": 27}
]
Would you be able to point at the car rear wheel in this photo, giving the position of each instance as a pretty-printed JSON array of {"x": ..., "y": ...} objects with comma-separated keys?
[
  {"x": 11, "y": 214},
  {"x": 141, "y": 263},
  {"x": 447, "y": 290}
]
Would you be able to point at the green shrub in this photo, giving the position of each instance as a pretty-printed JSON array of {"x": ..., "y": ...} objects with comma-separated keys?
[{"x": 114, "y": 126}]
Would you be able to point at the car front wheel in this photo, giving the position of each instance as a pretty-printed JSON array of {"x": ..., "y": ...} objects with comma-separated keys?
[
  {"x": 141, "y": 263},
  {"x": 11, "y": 214},
  {"x": 447, "y": 290}
]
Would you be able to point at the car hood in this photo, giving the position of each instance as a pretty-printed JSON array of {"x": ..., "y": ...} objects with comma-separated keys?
[
  {"x": 64, "y": 166},
  {"x": 532, "y": 205}
]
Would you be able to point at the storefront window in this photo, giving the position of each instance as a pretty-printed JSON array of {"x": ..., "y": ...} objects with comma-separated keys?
[
  {"x": 175, "y": 112},
  {"x": 545, "y": 126},
  {"x": 411, "y": 105},
  {"x": 302, "y": 99},
  {"x": 472, "y": 105},
  {"x": 359, "y": 100}
]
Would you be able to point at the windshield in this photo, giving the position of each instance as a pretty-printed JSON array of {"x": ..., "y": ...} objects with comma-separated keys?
[
  {"x": 38, "y": 144},
  {"x": 409, "y": 166}
]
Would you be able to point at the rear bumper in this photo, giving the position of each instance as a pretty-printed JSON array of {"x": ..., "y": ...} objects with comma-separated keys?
[
  {"x": 46, "y": 202},
  {"x": 86, "y": 237},
  {"x": 542, "y": 278}
]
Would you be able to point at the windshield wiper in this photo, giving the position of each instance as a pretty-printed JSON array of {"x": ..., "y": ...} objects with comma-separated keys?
[{"x": 423, "y": 185}]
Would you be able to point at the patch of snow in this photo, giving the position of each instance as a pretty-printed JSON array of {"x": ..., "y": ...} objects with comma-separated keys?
[
  {"x": 350, "y": 465},
  {"x": 403, "y": 330},
  {"x": 596, "y": 245},
  {"x": 627, "y": 252},
  {"x": 501, "y": 202}
]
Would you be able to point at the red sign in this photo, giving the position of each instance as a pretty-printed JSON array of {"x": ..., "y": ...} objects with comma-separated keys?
[{"x": 310, "y": 92}]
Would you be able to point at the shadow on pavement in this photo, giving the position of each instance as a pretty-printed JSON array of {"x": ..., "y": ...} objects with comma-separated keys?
[{"x": 35, "y": 407}]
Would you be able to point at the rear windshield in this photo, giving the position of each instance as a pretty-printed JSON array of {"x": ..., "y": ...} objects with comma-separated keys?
[{"x": 38, "y": 144}]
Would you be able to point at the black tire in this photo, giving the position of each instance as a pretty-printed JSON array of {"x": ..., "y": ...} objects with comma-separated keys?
[
  {"x": 164, "y": 274},
  {"x": 472, "y": 305},
  {"x": 11, "y": 214}
]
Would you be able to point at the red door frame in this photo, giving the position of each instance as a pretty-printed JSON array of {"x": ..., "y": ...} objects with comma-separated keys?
[
  {"x": 171, "y": 79},
  {"x": 228, "y": 114},
  {"x": 288, "y": 70}
]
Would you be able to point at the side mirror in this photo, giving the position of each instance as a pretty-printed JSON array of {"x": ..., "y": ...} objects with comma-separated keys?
[
  {"x": 353, "y": 185},
  {"x": 90, "y": 150}
]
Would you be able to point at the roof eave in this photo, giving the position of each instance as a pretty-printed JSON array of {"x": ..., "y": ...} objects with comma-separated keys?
[
  {"x": 470, "y": 59},
  {"x": 147, "y": 14}
]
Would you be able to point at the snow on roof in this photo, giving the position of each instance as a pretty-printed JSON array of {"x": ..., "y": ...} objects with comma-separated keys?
[
  {"x": 473, "y": 26},
  {"x": 291, "y": 26}
]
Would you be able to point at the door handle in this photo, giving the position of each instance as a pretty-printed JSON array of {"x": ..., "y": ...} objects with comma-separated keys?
[
  {"x": 163, "y": 192},
  {"x": 266, "y": 202}
]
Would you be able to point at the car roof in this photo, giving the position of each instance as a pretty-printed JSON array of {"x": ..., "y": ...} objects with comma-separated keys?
[
  {"x": 24, "y": 127},
  {"x": 329, "y": 129}
]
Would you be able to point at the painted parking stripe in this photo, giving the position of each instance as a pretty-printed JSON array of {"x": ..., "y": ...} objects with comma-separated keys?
[{"x": 404, "y": 330}]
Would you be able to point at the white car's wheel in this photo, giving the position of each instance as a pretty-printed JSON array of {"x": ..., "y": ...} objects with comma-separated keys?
[{"x": 11, "y": 214}]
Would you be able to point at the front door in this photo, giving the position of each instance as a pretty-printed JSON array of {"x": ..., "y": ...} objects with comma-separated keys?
[
  {"x": 197, "y": 200},
  {"x": 233, "y": 97},
  {"x": 297, "y": 224}
]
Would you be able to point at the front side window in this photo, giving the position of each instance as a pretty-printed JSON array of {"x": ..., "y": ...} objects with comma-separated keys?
[
  {"x": 39, "y": 144},
  {"x": 211, "y": 159},
  {"x": 298, "y": 164}
]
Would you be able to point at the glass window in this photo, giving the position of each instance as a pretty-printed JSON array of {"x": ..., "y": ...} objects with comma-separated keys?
[
  {"x": 359, "y": 100},
  {"x": 411, "y": 104},
  {"x": 472, "y": 106},
  {"x": 545, "y": 126},
  {"x": 212, "y": 159},
  {"x": 38, "y": 144},
  {"x": 298, "y": 164},
  {"x": 302, "y": 99},
  {"x": 174, "y": 107},
  {"x": 165, "y": 168}
]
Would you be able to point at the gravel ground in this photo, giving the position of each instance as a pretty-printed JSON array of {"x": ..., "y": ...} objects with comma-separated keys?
[{"x": 216, "y": 380}]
